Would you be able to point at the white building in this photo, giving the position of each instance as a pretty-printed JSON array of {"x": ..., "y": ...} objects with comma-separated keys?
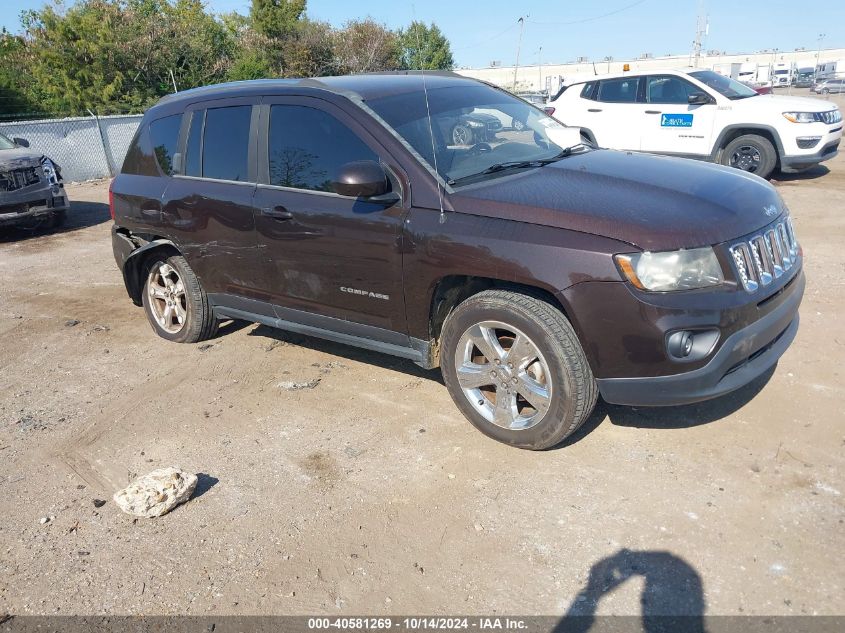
[{"x": 549, "y": 76}]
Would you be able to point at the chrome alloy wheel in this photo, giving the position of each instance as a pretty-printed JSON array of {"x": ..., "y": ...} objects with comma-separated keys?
[
  {"x": 746, "y": 158},
  {"x": 503, "y": 375},
  {"x": 168, "y": 301}
]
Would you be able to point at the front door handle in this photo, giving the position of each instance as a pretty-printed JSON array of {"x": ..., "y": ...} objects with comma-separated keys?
[
  {"x": 594, "y": 110},
  {"x": 653, "y": 112},
  {"x": 277, "y": 213}
]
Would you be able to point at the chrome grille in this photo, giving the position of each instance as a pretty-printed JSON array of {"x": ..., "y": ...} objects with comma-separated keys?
[
  {"x": 765, "y": 257},
  {"x": 831, "y": 116}
]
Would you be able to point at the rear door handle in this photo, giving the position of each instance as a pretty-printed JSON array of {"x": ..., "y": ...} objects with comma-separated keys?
[
  {"x": 594, "y": 109},
  {"x": 277, "y": 213},
  {"x": 653, "y": 112}
]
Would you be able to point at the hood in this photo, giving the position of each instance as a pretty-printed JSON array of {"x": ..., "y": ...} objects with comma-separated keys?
[
  {"x": 18, "y": 157},
  {"x": 653, "y": 202},
  {"x": 778, "y": 103}
]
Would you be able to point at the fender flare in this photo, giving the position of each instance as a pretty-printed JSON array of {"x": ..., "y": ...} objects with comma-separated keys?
[
  {"x": 132, "y": 266},
  {"x": 720, "y": 140}
]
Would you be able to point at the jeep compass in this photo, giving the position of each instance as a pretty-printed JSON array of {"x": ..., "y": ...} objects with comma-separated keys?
[{"x": 537, "y": 272}]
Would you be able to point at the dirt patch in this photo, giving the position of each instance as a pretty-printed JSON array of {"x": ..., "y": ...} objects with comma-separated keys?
[{"x": 365, "y": 491}]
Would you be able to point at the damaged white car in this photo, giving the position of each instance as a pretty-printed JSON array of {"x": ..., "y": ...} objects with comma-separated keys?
[{"x": 32, "y": 193}]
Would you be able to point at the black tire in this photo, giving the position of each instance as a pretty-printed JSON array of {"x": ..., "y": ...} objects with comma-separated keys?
[
  {"x": 825, "y": 91},
  {"x": 199, "y": 321},
  {"x": 462, "y": 135},
  {"x": 752, "y": 153},
  {"x": 573, "y": 390}
]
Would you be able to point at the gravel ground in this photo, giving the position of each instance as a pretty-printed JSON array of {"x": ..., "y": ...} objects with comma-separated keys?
[{"x": 366, "y": 492}]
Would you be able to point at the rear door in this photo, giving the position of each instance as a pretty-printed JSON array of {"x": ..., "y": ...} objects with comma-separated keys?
[
  {"x": 323, "y": 253},
  {"x": 669, "y": 124},
  {"x": 209, "y": 203},
  {"x": 610, "y": 112}
]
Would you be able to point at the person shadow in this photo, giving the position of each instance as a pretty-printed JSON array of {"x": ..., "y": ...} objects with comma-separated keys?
[{"x": 672, "y": 599}]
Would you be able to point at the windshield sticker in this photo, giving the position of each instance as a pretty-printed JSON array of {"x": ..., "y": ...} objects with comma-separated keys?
[{"x": 676, "y": 120}]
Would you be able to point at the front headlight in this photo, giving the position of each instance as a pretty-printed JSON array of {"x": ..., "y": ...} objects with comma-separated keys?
[
  {"x": 475, "y": 124},
  {"x": 672, "y": 270},
  {"x": 802, "y": 117},
  {"x": 49, "y": 171}
]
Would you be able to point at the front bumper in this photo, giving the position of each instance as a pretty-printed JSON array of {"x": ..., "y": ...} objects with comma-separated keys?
[
  {"x": 743, "y": 356},
  {"x": 34, "y": 203}
]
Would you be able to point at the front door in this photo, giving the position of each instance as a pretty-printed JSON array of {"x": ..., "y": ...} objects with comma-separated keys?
[
  {"x": 323, "y": 253},
  {"x": 669, "y": 123}
]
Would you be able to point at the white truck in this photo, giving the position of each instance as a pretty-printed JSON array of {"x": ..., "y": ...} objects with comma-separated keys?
[
  {"x": 783, "y": 74},
  {"x": 701, "y": 114},
  {"x": 833, "y": 69}
]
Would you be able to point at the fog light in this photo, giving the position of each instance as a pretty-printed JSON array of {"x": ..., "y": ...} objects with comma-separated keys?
[
  {"x": 808, "y": 142},
  {"x": 680, "y": 344},
  {"x": 691, "y": 345}
]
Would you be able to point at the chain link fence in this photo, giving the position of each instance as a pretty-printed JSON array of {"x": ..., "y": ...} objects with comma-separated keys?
[{"x": 86, "y": 148}]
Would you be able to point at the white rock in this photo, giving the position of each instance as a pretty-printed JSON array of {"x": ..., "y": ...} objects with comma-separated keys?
[{"x": 156, "y": 493}]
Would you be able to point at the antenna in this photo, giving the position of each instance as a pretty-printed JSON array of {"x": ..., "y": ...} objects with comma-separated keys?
[{"x": 428, "y": 113}]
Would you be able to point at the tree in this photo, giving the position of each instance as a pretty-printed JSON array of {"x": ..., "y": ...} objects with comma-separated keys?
[
  {"x": 366, "y": 46},
  {"x": 425, "y": 48},
  {"x": 121, "y": 55},
  {"x": 16, "y": 88},
  {"x": 276, "y": 18}
]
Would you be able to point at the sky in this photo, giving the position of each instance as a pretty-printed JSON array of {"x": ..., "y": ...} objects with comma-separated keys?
[{"x": 488, "y": 30}]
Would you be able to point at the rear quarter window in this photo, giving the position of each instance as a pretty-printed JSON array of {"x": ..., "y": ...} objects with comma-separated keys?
[
  {"x": 164, "y": 135},
  {"x": 140, "y": 160}
]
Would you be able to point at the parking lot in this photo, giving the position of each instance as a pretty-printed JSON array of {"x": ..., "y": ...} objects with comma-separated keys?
[{"x": 336, "y": 480}]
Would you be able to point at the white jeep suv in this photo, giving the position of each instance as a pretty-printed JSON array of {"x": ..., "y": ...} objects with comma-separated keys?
[{"x": 701, "y": 114}]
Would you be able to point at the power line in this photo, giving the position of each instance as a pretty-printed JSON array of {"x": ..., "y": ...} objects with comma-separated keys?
[{"x": 592, "y": 19}]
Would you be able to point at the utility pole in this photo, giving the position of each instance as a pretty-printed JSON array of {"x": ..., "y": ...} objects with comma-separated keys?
[
  {"x": 818, "y": 53},
  {"x": 540, "y": 64},
  {"x": 521, "y": 22},
  {"x": 702, "y": 30}
]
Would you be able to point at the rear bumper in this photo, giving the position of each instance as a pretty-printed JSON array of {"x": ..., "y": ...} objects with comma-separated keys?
[{"x": 743, "y": 356}]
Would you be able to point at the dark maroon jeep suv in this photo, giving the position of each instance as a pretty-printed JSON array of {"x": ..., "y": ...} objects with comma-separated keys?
[{"x": 535, "y": 271}]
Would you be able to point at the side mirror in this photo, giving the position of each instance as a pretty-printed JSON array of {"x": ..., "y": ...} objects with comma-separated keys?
[
  {"x": 361, "y": 179},
  {"x": 22, "y": 142},
  {"x": 698, "y": 98}
]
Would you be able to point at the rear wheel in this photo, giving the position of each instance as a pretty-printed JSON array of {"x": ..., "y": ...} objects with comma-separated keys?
[
  {"x": 515, "y": 369},
  {"x": 752, "y": 153},
  {"x": 174, "y": 301},
  {"x": 58, "y": 219}
]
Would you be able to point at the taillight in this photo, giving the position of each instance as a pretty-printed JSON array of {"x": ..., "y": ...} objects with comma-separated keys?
[
  {"x": 111, "y": 199},
  {"x": 549, "y": 110}
]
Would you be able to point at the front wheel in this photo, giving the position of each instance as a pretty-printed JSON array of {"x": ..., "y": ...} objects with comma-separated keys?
[
  {"x": 514, "y": 367},
  {"x": 174, "y": 301},
  {"x": 751, "y": 153}
]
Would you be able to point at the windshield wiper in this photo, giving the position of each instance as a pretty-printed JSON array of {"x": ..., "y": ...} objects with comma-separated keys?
[{"x": 514, "y": 164}]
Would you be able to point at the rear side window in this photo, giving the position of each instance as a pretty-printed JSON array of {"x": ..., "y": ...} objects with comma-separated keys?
[
  {"x": 307, "y": 147},
  {"x": 164, "y": 134},
  {"x": 623, "y": 90},
  {"x": 193, "y": 152},
  {"x": 225, "y": 143}
]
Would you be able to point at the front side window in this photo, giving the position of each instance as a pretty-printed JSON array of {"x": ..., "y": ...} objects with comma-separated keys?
[
  {"x": 668, "y": 89},
  {"x": 307, "y": 147},
  {"x": 225, "y": 143},
  {"x": 725, "y": 86},
  {"x": 164, "y": 134},
  {"x": 622, "y": 90}
]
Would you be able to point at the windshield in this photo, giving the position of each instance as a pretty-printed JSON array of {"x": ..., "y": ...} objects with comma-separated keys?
[
  {"x": 724, "y": 85},
  {"x": 474, "y": 129},
  {"x": 5, "y": 143}
]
